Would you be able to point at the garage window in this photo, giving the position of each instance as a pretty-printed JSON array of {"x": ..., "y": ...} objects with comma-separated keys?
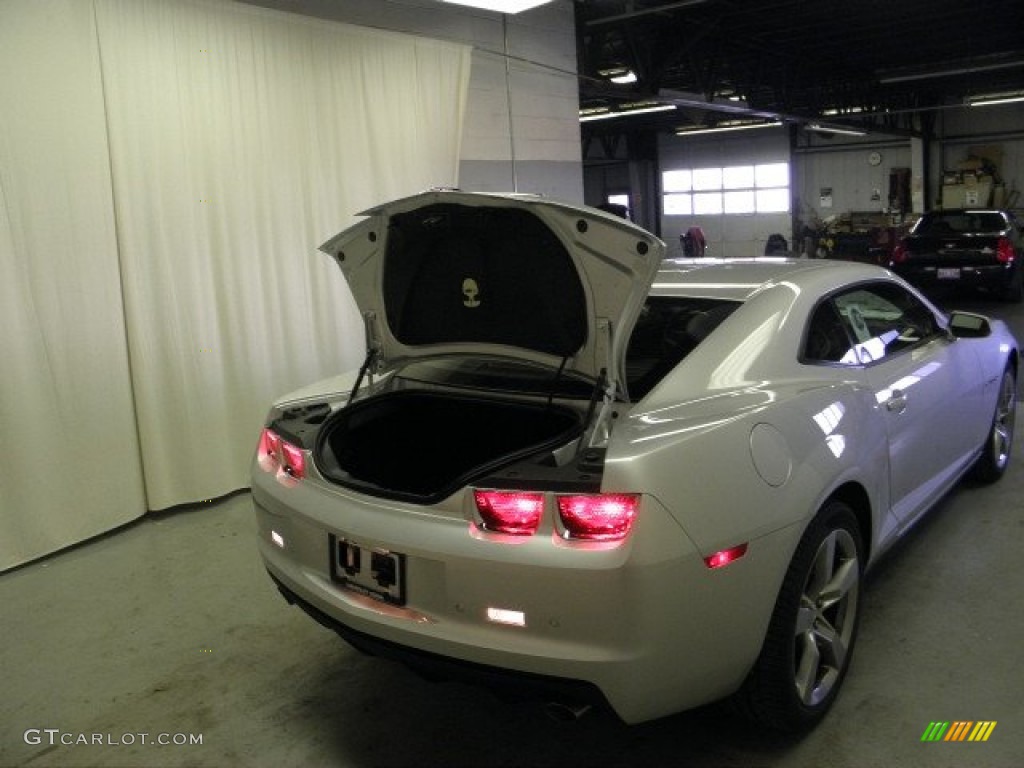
[{"x": 735, "y": 189}]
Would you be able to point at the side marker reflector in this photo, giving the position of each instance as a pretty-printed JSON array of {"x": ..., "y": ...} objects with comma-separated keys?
[{"x": 725, "y": 556}]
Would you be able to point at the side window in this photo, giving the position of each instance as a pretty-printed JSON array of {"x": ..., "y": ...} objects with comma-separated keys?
[
  {"x": 882, "y": 319},
  {"x": 826, "y": 341}
]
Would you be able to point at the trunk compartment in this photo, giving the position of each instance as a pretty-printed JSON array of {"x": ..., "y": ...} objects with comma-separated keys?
[{"x": 423, "y": 446}]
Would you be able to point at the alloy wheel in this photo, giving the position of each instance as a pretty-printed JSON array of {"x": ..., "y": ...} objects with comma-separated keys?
[
  {"x": 1002, "y": 427},
  {"x": 826, "y": 617}
]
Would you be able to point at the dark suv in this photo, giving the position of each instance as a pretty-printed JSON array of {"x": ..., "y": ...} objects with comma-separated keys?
[{"x": 976, "y": 248}]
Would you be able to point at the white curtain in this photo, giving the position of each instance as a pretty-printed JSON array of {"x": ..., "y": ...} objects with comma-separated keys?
[
  {"x": 69, "y": 458},
  {"x": 225, "y": 142}
]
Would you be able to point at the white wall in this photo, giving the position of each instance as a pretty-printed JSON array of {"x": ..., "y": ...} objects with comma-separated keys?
[
  {"x": 843, "y": 166},
  {"x": 538, "y": 89}
]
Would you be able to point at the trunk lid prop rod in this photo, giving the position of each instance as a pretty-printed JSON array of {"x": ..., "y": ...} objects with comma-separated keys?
[
  {"x": 558, "y": 377},
  {"x": 370, "y": 356}
]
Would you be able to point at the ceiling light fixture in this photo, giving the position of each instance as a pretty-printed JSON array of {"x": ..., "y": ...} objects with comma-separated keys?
[
  {"x": 626, "y": 110},
  {"x": 970, "y": 69},
  {"x": 501, "y": 6},
  {"x": 999, "y": 98},
  {"x": 725, "y": 127},
  {"x": 619, "y": 75},
  {"x": 819, "y": 128},
  {"x": 838, "y": 112}
]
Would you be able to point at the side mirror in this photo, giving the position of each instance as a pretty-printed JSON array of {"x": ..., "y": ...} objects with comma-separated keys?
[{"x": 968, "y": 325}]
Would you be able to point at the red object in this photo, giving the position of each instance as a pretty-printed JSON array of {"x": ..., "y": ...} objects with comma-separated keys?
[
  {"x": 294, "y": 460},
  {"x": 513, "y": 512},
  {"x": 276, "y": 454},
  {"x": 725, "y": 556},
  {"x": 899, "y": 252},
  {"x": 1004, "y": 250},
  {"x": 598, "y": 517}
]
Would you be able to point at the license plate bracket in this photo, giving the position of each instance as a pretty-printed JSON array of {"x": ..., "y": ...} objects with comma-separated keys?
[{"x": 374, "y": 572}]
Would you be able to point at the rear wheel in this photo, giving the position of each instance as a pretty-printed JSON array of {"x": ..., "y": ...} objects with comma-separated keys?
[
  {"x": 810, "y": 638},
  {"x": 995, "y": 456}
]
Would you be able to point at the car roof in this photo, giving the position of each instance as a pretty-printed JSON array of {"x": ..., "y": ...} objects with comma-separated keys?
[{"x": 737, "y": 279}]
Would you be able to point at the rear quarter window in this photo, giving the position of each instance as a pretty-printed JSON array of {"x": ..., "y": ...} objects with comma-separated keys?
[{"x": 669, "y": 328}]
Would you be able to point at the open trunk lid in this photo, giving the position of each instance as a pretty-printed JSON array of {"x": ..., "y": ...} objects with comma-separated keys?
[{"x": 449, "y": 272}]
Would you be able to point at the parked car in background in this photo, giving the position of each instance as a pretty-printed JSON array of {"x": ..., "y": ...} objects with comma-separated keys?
[
  {"x": 570, "y": 467},
  {"x": 974, "y": 248}
]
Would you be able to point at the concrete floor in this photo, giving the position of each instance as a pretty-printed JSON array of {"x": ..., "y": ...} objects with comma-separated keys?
[{"x": 170, "y": 626}]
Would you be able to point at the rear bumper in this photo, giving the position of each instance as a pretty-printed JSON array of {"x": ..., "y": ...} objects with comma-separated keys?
[
  {"x": 645, "y": 626},
  {"x": 434, "y": 666},
  {"x": 995, "y": 277}
]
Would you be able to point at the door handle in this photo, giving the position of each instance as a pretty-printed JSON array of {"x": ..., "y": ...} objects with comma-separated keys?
[{"x": 897, "y": 403}]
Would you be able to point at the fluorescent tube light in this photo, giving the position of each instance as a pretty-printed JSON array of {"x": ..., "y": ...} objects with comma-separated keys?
[
  {"x": 619, "y": 75},
  {"x": 969, "y": 69},
  {"x": 587, "y": 115},
  {"x": 725, "y": 128},
  {"x": 818, "y": 128},
  {"x": 987, "y": 101},
  {"x": 501, "y": 6},
  {"x": 629, "y": 76}
]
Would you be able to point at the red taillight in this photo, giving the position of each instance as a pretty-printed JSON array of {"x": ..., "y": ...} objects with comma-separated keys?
[
  {"x": 1004, "y": 250},
  {"x": 269, "y": 450},
  {"x": 514, "y": 512},
  {"x": 598, "y": 517},
  {"x": 900, "y": 252},
  {"x": 725, "y": 556},
  {"x": 294, "y": 460},
  {"x": 278, "y": 455}
]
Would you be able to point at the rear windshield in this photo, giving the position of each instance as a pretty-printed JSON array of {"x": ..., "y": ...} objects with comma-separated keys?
[
  {"x": 668, "y": 329},
  {"x": 960, "y": 222}
]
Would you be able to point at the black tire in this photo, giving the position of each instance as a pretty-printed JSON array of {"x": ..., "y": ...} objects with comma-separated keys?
[
  {"x": 995, "y": 455},
  {"x": 810, "y": 639}
]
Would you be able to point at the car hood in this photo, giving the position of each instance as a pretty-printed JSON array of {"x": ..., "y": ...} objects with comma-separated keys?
[{"x": 449, "y": 272}]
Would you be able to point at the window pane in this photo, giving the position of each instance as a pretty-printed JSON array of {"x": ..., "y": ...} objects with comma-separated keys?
[
  {"x": 739, "y": 202},
  {"x": 707, "y": 202},
  {"x": 678, "y": 205},
  {"x": 738, "y": 177},
  {"x": 677, "y": 181},
  {"x": 772, "y": 175},
  {"x": 619, "y": 200},
  {"x": 707, "y": 178},
  {"x": 773, "y": 201},
  {"x": 884, "y": 319}
]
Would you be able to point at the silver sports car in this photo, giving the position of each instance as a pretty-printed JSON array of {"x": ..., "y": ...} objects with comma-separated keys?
[{"x": 568, "y": 466}]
